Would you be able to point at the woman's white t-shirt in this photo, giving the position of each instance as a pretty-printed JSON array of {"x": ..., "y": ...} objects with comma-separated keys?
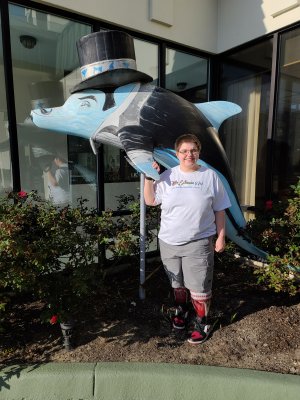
[
  {"x": 60, "y": 194},
  {"x": 188, "y": 203}
]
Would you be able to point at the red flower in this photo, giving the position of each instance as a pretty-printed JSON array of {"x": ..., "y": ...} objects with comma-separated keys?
[
  {"x": 53, "y": 319},
  {"x": 22, "y": 194},
  {"x": 268, "y": 205}
]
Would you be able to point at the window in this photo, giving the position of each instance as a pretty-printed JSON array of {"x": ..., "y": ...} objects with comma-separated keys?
[
  {"x": 245, "y": 79},
  {"x": 186, "y": 75},
  {"x": 45, "y": 61},
  {"x": 5, "y": 164},
  {"x": 286, "y": 152},
  {"x": 146, "y": 54}
]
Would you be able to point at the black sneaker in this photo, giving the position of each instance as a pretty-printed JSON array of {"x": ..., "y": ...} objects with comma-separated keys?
[
  {"x": 179, "y": 319},
  {"x": 200, "y": 333}
]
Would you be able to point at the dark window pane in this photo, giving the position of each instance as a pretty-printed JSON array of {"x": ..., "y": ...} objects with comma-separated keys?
[
  {"x": 245, "y": 80},
  {"x": 5, "y": 164},
  {"x": 286, "y": 163},
  {"x": 45, "y": 67},
  {"x": 146, "y": 54},
  {"x": 186, "y": 75}
]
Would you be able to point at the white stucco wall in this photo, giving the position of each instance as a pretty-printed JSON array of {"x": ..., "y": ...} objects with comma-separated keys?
[
  {"x": 194, "y": 21},
  {"x": 240, "y": 21},
  {"x": 208, "y": 25}
]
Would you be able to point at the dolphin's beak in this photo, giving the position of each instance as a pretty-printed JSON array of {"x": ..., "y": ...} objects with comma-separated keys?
[{"x": 61, "y": 120}]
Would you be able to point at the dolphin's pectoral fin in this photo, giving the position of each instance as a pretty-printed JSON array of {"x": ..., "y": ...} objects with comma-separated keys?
[
  {"x": 139, "y": 147},
  {"x": 132, "y": 165},
  {"x": 143, "y": 164},
  {"x": 166, "y": 157},
  {"x": 142, "y": 161},
  {"x": 218, "y": 111}
]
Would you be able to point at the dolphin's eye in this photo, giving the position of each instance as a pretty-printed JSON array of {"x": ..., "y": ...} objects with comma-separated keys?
[
  {"x": 85, "y": 103},
  {"x": 45, "y": 111}
]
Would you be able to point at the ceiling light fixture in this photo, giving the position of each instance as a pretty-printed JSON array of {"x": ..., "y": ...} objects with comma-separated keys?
[
  {"x": 27, "y": 41},
  {"x": 181, "y": 85}
]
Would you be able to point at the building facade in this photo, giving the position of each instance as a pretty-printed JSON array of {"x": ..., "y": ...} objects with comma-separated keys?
[{"x": 235, "y": 50}]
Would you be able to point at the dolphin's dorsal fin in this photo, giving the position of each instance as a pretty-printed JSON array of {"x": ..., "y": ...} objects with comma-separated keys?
[{"x": 217, "y": 111}]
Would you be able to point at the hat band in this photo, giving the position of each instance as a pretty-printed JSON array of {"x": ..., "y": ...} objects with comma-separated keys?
[{"x": 99, "y": 67}]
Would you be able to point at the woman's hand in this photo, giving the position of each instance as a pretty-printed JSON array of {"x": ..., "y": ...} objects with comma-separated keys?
[
  {"x": 149, "y": 194},
  {"x": 220, "y": 244},
  {"x": 220, "y": 224},
  {"x": 156, "y": 166}
]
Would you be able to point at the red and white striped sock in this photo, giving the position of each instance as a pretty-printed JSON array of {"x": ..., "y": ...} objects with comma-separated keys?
[{"x": 201, "y": 304}]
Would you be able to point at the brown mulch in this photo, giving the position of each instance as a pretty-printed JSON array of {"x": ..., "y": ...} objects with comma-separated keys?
[{"x": 253, "y": 327}]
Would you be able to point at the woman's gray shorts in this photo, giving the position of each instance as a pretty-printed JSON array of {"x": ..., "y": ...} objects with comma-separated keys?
[{"x": 190, "y": 265}]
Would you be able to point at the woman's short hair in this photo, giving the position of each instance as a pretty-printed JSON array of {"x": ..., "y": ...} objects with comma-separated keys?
[{"x": 188, "y": 137}]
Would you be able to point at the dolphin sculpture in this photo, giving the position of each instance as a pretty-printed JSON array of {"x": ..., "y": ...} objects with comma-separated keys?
[{"x": 145, "y": 120}]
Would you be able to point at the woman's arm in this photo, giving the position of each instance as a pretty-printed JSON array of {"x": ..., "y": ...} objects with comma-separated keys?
[
  {"x": 220, "y": 224},
  {"x": 149, "y": 194}
]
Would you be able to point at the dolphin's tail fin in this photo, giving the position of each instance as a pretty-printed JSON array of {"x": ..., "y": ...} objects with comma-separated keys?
[
  {"x": 218, "y": 111},
  {"x": 240, "y": 238},
  {"x": 235, "y": 221}
]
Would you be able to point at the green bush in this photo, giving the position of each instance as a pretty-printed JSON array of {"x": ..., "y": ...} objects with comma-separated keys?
[
  {"x": 52, "y": 253},
  {"x": 49, "y": 252},
  {"x": 278, "y": 231},
  {"x": 126, "y": 230}
]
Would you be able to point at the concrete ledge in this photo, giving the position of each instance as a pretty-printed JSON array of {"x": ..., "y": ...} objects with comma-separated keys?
[
  {"x": 143, "y": 381},
  {"x": 171, "y": 381},
  {"x": 53, "y": 381}
]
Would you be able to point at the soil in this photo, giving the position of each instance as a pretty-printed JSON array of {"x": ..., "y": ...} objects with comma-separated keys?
[{"x": 253, "y": 327}]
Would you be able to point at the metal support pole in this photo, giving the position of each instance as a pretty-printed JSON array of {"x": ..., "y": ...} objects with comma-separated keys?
[{"x": 142, "y": 292}]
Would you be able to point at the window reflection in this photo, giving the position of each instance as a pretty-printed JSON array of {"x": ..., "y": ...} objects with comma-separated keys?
[
  {"x": 119, "y": 176},
  {"x": 286, "y": 136},
  {"x": 245, "y": 80},
  {"x": 82, "y": 169},
  {"x": 45, "y": 67},
  {"x": 146, "y": 54},
  {"x": 186, "y": 75},
  {"x": 112, "y": 164},
  {"x": 5, "y": 163},
  {"x": 116, "y": 166}
]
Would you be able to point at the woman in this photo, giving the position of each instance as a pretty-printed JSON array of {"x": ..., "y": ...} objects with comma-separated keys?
[
  {"x": 58, "y": 177},
  {"x": 192, "y": 201}
]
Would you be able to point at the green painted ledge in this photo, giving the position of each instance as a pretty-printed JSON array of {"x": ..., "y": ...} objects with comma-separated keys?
[{"x": 143, "y": 381}]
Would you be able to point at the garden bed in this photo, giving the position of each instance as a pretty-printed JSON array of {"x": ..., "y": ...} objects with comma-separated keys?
[{"x": 254, "y": 327}]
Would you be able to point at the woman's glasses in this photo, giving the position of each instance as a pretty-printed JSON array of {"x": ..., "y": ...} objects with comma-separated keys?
[{"x": 193, "y": 151}]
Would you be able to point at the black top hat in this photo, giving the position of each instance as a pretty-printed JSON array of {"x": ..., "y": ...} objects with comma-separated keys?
[{"x": 107, "y": 59}]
